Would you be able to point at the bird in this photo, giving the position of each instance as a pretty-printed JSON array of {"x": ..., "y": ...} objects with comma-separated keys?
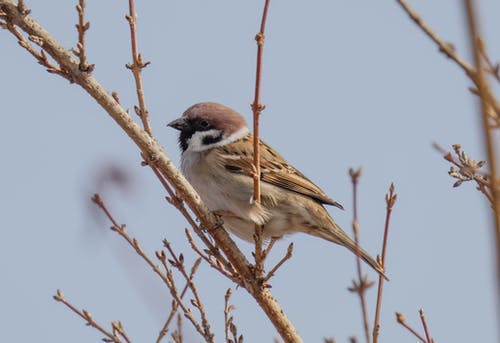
[{"x": 217, "y": 160}]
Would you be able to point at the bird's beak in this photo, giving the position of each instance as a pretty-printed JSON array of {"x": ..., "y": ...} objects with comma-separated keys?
[{"x": 178, "y": 124}]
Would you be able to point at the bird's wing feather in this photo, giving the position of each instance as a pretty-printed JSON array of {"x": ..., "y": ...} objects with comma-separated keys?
[{"x": 237, "y": 157}]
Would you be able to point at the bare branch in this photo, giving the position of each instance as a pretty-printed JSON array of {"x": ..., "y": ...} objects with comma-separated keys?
[
  {"x": 178, "y": 263},
  {"x": 175, "y": 305},
  {"x": 390, "y": 200},
  {"x": 136, "y": 67},
  {"x": 484, "y": 90},
  {"x": 257, "y": 109},
  {"x": 110, "y": 336},
  {"x": 424, "y": 324},
  {"x": 363, "y": 284},
  {"x": 400, "y": 318},
  {"x": 230, "y": 329},
  {"x": 167, "y": 277},
  {"x": 177, "y": 334},
  {"x": 468, "y": 170},
  {"x": 449, "y": 50},
  {"x": 285, "y": 258},
  {"x": 82, "y": 27},
  {"x": 213, "y": 261}
]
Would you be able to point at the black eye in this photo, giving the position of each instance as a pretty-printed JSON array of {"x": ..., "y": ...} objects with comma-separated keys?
[{"x": 204, "y": 124}]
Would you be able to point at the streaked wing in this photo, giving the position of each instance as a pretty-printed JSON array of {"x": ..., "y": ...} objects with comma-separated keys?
[{"x": 237, "y": 158}]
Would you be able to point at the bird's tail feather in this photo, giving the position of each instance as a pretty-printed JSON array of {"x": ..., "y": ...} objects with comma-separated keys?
[{"x": 337, "y": 235}]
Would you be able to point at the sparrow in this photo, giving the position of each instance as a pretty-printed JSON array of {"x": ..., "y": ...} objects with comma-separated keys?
[{"x": 217, "y": 159}]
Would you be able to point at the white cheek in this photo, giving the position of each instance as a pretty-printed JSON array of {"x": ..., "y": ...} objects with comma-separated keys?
[{"x": 195, "y": 143}]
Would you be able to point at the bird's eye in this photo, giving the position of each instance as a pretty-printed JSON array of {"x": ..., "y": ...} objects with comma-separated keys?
[{"x": 204, "y": 124}]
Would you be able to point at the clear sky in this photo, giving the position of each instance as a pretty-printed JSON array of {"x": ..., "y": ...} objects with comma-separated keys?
[{"x": 346, "y": 83}]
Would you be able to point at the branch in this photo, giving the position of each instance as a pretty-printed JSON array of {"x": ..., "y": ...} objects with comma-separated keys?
[
  {"x": 400, "y": 318},
  {"x": 229, "y": 326},
  {"x": 285, "y": 258},
  {"x": 449, "y": 51},
  {"x": 424, "y": 324},
  {"x": 468, "y": 170},
  {"x": 485, "y": 106},
  {"x": 390, "y": 200},
  {"x": 175, "y": 305},
  {"x": 116, "y": 326},
  {"x": 178, "y": 263},
  {"x": 257, "y": 109},
  {"x": 150, "y": 148},
  {"x": 363, "y": 284},
  {"x": 136, "y": 67},
  {"x": 82, "y": 27},
  {"x": 167, "y": 277}
]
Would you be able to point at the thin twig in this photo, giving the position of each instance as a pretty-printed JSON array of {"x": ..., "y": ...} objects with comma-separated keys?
[
  {"x": 483, "y": 90},
  {"x": 400, "y": 318},
  {"x": 257, "y": 109},
  {"x": 227, "y": 317},
  {"x": 390, "y": 200},
  {"x": 82, "y": 27},
  {"x": 178, "y": 263},
  {"x": 213, "y": 262},
  {"x": 167, "y": 278},
  {"x": 362, "y": 284},
  {"x": 177, "y": 334},
  {"x": 230, "y": 329},
  {"x": 136, "y": 67},
  {"x": 40, "y": 56},
  {"x": 449, "y": 51},
  {"x": 288, "y": 255},
  {"x": 112, "y": 336},
  {"x": 269, "y": 247},
  {"x": 424, "y": 324},
  {"x": 444, "y": 47},
  {"x": 468, "y": 170},
  {"x": 175, "y": 305}
]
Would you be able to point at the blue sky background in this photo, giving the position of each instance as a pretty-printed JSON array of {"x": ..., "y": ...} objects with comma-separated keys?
[{"x": 346, "y": 83}]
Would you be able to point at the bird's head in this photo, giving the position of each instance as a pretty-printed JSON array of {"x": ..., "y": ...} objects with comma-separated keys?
[{"x": 207, "y": 125}]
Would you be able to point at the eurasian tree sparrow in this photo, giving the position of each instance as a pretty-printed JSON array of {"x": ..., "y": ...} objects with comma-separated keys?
[{"x": 217, "y": 159}]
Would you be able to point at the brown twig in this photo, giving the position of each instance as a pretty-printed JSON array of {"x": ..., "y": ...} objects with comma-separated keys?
[
  {"x": 213, "y": 262},
  {"x": 424, "y": 324},
  {"x": 269, "y": 247},
  {"x": 177, "y": 334},
  {"x": 390, "y": 200},
  {"x": 485, "y": 104},
  {"x": 154, "y": 151},
  {"x": 468, "y": 169},
  {"x": 136, "y": 67},
  {"x": 288, "y": 255},
  {"x": 111, "y": 336},
  {"x": 492, "y": 69},
  {"x": 257, "y": 109},
  {"x": 363, "y": 284},
  {"x": 400, "y": 318},
  {"x": 230, "y": 328},
  {"x": 450, "y": 52},
  {"x": 178, "y": 263},
  {"x": 167, "y": 277},
  {"x": 40, "y": 56},
  {"x": 175, "y": 305},
  {"x": 82, "y": 27}
]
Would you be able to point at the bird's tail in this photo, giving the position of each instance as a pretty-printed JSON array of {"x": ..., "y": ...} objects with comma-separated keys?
[{"x": 337, "y": 235}]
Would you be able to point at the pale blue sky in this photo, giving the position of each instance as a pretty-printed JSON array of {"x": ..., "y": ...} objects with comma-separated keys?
[{"x": 346, "y": 83}]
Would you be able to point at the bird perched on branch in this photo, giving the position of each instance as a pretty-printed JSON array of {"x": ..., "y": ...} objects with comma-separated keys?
[{"x": 217, "y": 159}]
